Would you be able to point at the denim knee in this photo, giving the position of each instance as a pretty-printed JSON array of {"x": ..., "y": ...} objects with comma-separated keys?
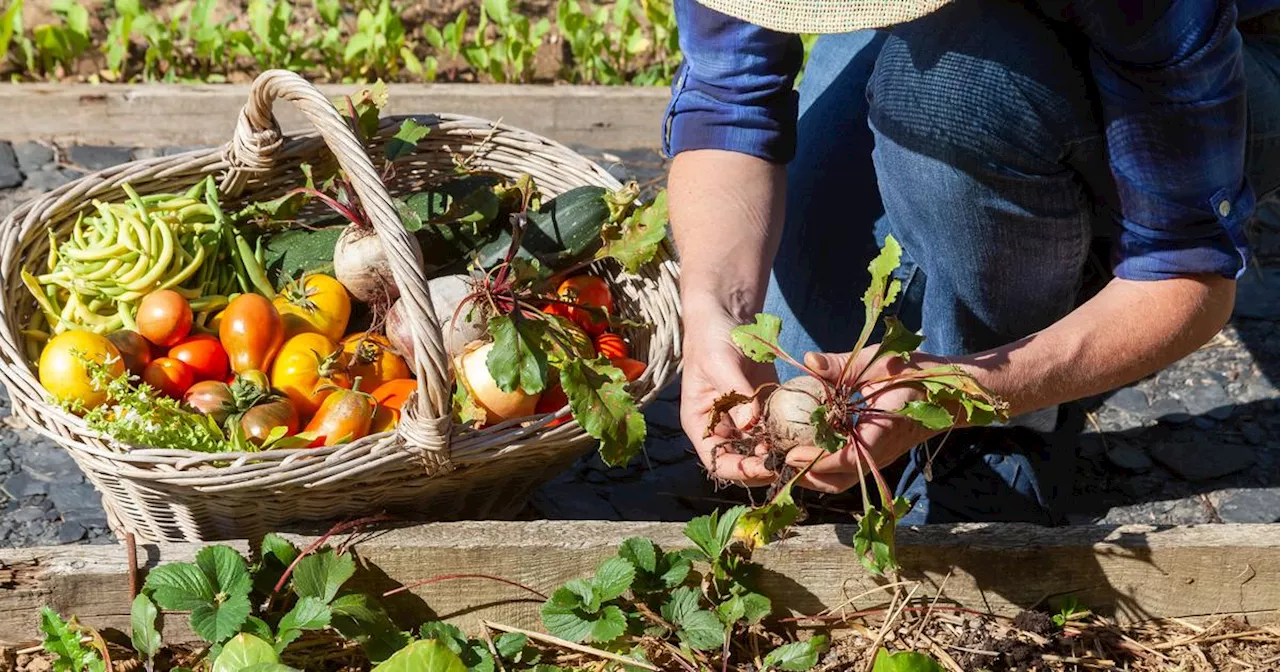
[{"x": 985, "y": 86}]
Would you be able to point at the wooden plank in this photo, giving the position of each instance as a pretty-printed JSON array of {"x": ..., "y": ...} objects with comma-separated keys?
[
  {"x": 1135, "y": 572},
  {"x": 160, "y": 115}
]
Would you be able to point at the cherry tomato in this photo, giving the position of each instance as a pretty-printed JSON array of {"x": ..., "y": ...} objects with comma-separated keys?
[
  {"x": 612, "y": 346},
  {"x": 394, "y": 393},
  {"x": 630, "y": 368},
  {"x": 344, "y": 416},
  {"x": 134, "y": 349},
  {"x": 259, "y": 421},
  {"x": 169, "y": 376},
  {"x": 552, "y": 401},
  {"x": 212, "y": 398},
  {"x": 252, "y": 332},
  {"x": 371, "y": 358},
  {"x": 204, "y": 354},
  {"x": 587, "y": 290},
  {"x": 62, "y": 366},
  {"x": 164, "y": 317}
]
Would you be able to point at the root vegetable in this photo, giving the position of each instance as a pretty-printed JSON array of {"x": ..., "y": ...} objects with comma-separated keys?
[
  {"x": 361, "y": 265},
  {"x": 447, "y": 293},
  {"x": 473, "y": 371},
  {"x": 788, "y": 409}
]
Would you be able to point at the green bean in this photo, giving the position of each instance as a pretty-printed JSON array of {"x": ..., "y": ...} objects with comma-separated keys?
[
  {"x": 171, "y": 204},
  {"x": 52, "y": 263},
  {"x": 139, "y": 268},
  {"x": 195, "y": 190},
  {"x": 77, "y": 232},
  {"x": 137, "y": 201},
  {"x": 95, "y": 254},
  {"x": 104, "y": 272},
  {"x": 125, "y": 312},
  {"x": 208, "y": 303},
  {"x": 162, "y": 263},
  {"x": 254, "y": 270},
  {"x": 41, "y": 299},
  {"x": 194, "y": 210},
  {"x": 187, "y": 271}
]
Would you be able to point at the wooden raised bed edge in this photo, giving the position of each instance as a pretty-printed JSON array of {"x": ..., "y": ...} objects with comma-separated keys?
[
  {"x": 1132, "y": 572},
  {"x": 162, "y": 115}
]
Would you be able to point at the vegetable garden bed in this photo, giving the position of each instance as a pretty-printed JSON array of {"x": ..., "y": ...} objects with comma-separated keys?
[{"x": 1136, "y": 578}]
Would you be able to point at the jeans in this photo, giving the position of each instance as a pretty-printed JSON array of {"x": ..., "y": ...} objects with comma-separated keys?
[{"x": 984, "y": 156}]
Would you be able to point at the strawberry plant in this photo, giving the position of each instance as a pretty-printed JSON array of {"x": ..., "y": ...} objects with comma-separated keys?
[{"x": 817, "y": 411}]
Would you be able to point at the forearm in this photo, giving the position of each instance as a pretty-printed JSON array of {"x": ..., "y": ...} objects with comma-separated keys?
[
  {"x": 726, "y": 213},
  {"x": 1128, "y": 331}
]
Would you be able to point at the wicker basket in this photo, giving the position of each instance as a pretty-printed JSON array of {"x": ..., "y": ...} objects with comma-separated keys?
[{"x": 427, "y": 468}]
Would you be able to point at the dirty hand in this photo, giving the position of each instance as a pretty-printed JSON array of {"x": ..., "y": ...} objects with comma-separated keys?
[
  {"x": 713, "y": 366},
  {"x": 886, "y": 437}
]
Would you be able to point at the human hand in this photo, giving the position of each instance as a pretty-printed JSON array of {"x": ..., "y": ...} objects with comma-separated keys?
[
  {"x": 886, "y": 437},
  {"x": 714, "y": 366}
]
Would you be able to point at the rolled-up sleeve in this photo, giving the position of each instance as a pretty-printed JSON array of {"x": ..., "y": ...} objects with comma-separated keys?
[
  {"x": 1170, "y": 77},
  {"x": 735, "y": 87}
]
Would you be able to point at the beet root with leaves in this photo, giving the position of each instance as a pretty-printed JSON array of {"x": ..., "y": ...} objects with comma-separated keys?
[{"x": 813, "y": 410}]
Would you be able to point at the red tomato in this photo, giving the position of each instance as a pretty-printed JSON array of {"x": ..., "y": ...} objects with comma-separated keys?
[
  {"x": 630, "y": 368},
  {"x": 552, "y": 401},
  {"x": 259, "y": 421},
  {"x": 612, "y": 346},
  {"x": 170, "y": 376},
  {"x": 586, "y": 290},
  {"x": 204, "y": 354},
  {"x": 164, "y": 317},
  {"x": 134, "y": 350}
]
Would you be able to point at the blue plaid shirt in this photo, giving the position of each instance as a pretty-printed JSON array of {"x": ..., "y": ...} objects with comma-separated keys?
[{"x": 1172, "y": 94}]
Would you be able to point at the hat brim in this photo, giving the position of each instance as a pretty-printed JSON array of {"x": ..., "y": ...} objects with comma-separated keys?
[{"x": 817, "y": 17}]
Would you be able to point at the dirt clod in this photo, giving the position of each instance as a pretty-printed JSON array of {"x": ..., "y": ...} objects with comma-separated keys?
[{"x": 1034, "y": 622}]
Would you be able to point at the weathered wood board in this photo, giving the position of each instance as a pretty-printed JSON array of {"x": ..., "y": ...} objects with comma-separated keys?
[
  {"x": 164, "y": 115},
  {"x": 1134, "y": 572}
]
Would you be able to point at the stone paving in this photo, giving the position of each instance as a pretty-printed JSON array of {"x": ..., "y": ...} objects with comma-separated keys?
[{"x": 1197, "y": 443}]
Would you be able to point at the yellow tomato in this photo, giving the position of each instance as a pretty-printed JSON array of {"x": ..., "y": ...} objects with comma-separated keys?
[
  {"x": 306, "y": 365},
  {"x": 370, "y": 358},
  {"x": 316, "y": 304},
  {"x": 62, "y": 366}
]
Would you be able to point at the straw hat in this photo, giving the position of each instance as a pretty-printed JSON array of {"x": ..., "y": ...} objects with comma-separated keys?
[{"x": 824, "y": 16}]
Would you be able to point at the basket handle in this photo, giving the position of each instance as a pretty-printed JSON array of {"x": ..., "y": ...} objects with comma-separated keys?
[{"x": 426, "y": 424}]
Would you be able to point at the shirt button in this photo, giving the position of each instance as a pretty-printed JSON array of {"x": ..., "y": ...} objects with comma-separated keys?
[{"x": 1224, "y": 208}]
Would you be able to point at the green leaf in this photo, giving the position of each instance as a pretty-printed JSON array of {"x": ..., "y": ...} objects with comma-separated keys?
[
  {"x": 329, "y": 11},
  {"x": 750, "y": 607},
  {"x": 278, "y": 547},
  {"x": 270, "y": 667},
  {"x": 797, "y": 656},
  {"x": 610, "y": 626},
  {"x": 510, "y": 644},
  {"x": 517, "y": 360},
  {"x": 898, "y": 340},
  {"x": 613, "y": 578},
  {"x": 636, "y": 240},
  {"x": 445, "y": 633},
  {"x": 579, "y": 593},
  {"x": 566, "y": 622},
  {"x": 259, "y": 628},
  {"x": 683, "y": 601},
  {"x": 904, "y": 661},
  {"x": 142, "y": 627},
  {"x": 676, "y": 569},
  {"x": 760, "y": 526},
  {"x": 219, "y": 621},
  {"x": 226, "y": 569},
  {"x": 874, "y": 540},
  {"x": 824, "y": 434},
  {"x": 179, "y": 586},
  {"x": 701, "y": 630},
  {"x": 406, "y": 140},
  {"x": 881, "y": 291},
  {"x": 360, "y": 618},
  {"x": 928, "y": 414},
  {"x": 759, "y": 341},
  {"x": 62, "y": 639},
  {"x": 423, "y": 656},
  {"x": 242, "y": 651},
  {"x": 321, "y": 574},
  {"x": 641, "y": 553},
  {"x": 598, "y": 397},
  {"x": 713, "y": 533},
  {"x": 310, "y": 613}
]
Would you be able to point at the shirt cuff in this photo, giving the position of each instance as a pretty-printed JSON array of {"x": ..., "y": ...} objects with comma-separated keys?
[
  {"x": 1142, "y": 253},
  {"x": 697, "y": 121}
]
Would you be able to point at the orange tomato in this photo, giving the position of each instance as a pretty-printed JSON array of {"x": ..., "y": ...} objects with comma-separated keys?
[
  {"x": 630, "y": 368},
  {"x": 169, "y": 376},
  {"x": 307, "y": 370},
  {"x": 612, "y": 346},
  {"x": 252, "y": 332},
  {"x": 371, "y": 358},
  {"x": 590, "y": 291},
  {"x": 384, "y": 420},
  {"x": 394, "y": 393},
  {"x": 344, "y": 416},
  {"x": 164, "y": 317},
  {"x": 552, "y": 401}
]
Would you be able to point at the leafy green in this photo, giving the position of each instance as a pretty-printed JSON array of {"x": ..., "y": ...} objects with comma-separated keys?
[
  {"x": 142, "y": 627},
  {"x": 62, "y": 639},
  {"x": 517, "y": 360},
  {"x": 898, "y": 340},
  {"x": 761, "y": 525},
  {"x": 713, "y": 533},
  {"x": 406, "y": 140},
  {"x": 423, "y": 656},
  {"x": 749, "y": 607},
  {"x": 759, "y": 341},
  {"x": 215, "y": 590},
  {"x": 361, "y": 619},
  {"x": 701, "y": 630},
  {"x": 904, "y": 661},
  {"x": 928, "y": 414},
  {"x": 600, "y": 402},
  {"x": 874, "y": 540},
  {"x": 138, "y": 415},
  {"x": 656, "y": 571},
  {"x": 474, "y": 654},
  {"x": 824, "y": 434},
  {"x": 797, "y": 656},
  {"x": 579, "y": 610},
  {"x": 683, "y": 601},
  {"x": 635, "y": 241},
  {"x": 321, "y": 574},
  {"x": 882, "y": 291},
  {"x": 244, "y": 651},
  {"x": 310, "y": 613}
]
